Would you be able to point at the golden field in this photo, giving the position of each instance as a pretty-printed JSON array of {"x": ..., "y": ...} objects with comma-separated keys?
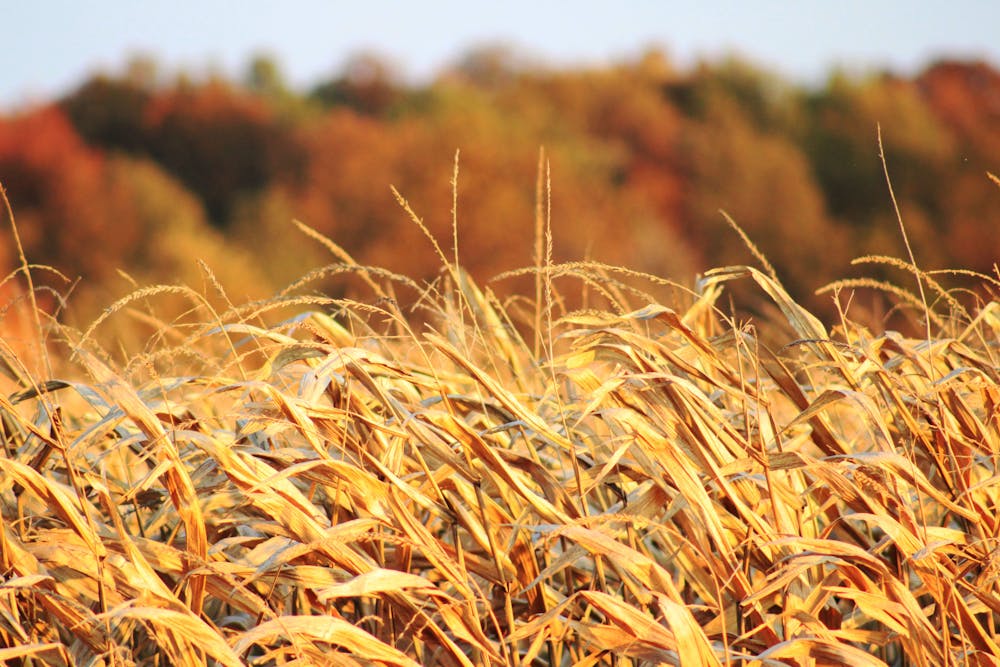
[{"x": 466, "y": 480}]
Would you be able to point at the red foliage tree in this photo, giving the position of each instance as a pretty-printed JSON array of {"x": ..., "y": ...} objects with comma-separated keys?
[
  {"x": 966, "y": 96},
  {"x": 69, "y": 214}
]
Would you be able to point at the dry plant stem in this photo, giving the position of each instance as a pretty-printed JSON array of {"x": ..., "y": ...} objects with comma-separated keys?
[
  {"x": 758, "y": 255},
  {"x": 342, "y": 255},
  {"x": 454, "y": 210},
  {"x": 539, "y": 252},
  {"x": 906, "y": 240}
]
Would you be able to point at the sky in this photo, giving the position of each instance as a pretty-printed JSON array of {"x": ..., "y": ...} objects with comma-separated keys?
[{"x": 50, "y": 46}]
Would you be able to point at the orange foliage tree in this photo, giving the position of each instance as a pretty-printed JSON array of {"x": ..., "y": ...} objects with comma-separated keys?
[
  {"x": 353, "y": 159},
  {"x": 69, "y": 213}
]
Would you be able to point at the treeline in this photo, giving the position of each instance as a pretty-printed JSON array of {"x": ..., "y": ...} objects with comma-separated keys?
[{"x": 146, "y": 173}]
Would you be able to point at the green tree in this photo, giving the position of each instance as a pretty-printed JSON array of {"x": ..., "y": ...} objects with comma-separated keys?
[
  {"x": 264, "y": 77},
  {"x": 767, "y": 101},
  {"x": 843, "y": 150},
  {"x": 109, "y": 112}
]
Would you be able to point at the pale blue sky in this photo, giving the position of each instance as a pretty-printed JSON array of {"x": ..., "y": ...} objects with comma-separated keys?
[{"x": 48, "y": 46}]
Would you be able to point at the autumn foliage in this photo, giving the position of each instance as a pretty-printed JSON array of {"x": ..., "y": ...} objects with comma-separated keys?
[{"x": 131, "y": 171}]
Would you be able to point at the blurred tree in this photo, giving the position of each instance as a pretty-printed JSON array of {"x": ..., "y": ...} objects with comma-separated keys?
[
  {"x": 143, "y": 71},
  {"x": 767, "y": 101},
  {"x": 70, "y": 215},
  {"x": 368, "y": 84},
  {"x": 221, "y": 143},
  {"x": 965, "y": 97},
  {"x": 626, "y": 110},
  {"x": 595, "y": 213},
  {"x": 973, "y": 205},
  {"x": 654, "y": 64},
  {"x": 499, "y": 136},
  {"x": 264, "y": 77},
  {"x": 843, "y": 150},
  {"x": 108, "y": 112},
  {"x": 765, "y": 184},
  {"x": 176, "y": 233},
  {"x": 87, "y": 215},
  {"x": 343, "y": 191},
  {"x": 492, "y": 66}
]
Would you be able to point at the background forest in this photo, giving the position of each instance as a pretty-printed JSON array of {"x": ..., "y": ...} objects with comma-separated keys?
[{"x": 145, "y": 171}]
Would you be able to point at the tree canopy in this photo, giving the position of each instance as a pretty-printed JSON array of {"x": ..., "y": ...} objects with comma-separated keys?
[{"x": 643, "y": 157}]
